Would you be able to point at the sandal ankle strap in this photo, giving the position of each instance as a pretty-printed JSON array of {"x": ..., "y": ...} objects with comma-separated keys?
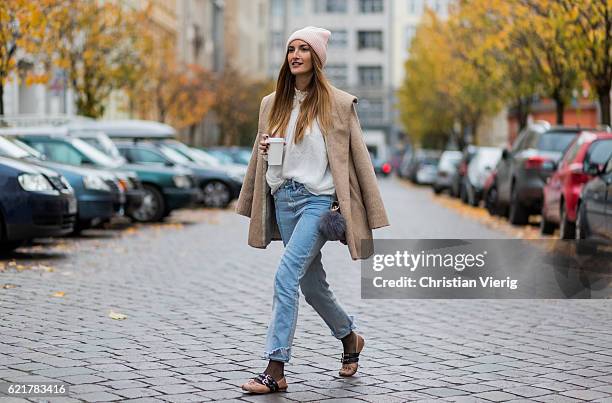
[
  {"x": 267, "y": 380},
  {"x": 348, "y": 358}
]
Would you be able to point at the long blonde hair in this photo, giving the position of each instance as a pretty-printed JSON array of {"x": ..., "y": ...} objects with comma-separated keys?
[{"x": 317, "y": 104}]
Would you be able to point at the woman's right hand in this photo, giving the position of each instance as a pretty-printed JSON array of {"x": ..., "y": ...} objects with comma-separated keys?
[{"x": 263, "y": 144}]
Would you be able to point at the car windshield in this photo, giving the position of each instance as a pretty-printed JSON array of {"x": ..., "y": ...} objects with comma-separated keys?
[
  {"x": 8, "y": 149},
  {"x": 95, "y": 155},
  {"x": 222, "y": 156},
  {"x": 243, "y": 157},
  {"x": 101, "y": 141},
  {"x": 174, "y": 155},
  {"x": 555, "y": 141},
  {"x": 205, "y": 157}
]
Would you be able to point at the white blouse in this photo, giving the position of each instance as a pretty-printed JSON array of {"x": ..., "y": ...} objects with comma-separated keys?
[{"x": 305, "y": 162}]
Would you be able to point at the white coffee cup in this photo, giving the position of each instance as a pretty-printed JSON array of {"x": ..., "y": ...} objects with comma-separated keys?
[{"x": 275, "y": 150}]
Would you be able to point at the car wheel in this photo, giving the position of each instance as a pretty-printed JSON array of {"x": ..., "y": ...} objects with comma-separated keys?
[
  {"x": 583, "y": 245},
  {"x": 567, "y": 228},
  {"x": 472, "y": 199},
  {"x": 546, "y": 227},
  {"x": 153, "y": 206},
  {"x": 216, "y": 194},
  {"x": 463, "y": 193},
  {"x": 491, "y": 201},
  {"x": 7, "y": 246},
  {"x": 436, "y": 190},
  {"x": 518, "y": 213}
]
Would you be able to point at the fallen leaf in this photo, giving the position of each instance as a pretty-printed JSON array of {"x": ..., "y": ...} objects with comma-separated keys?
[
  {"x": 116, "y": 315},
  {"x": 59, "y": 294},
  {"x": 44, "y": 268},
  {"x": 9, "y": 285}
]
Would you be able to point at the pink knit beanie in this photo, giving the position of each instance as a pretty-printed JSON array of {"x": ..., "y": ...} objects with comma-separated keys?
[{"x": 317, "y": 39}]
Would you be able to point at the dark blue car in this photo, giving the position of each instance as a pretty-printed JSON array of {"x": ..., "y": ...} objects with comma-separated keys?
[
  {"x": 34, "y": 202},
  {"x": 95, "y": 197}
]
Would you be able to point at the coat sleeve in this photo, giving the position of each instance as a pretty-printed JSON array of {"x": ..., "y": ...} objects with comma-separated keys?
[
  {"x": 370, "y": 193},
  {"x": 245, "y": 199}
]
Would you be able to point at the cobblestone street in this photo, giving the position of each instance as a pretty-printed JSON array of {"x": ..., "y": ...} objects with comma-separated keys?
[{"x": 197, "y": 301}]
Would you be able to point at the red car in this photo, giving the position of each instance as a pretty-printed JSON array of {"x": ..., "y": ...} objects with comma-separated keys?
[{"x": 562, "y": 190}]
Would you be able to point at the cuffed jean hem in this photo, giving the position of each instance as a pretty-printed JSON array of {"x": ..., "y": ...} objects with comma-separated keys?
[
  {"x": 278, "y": 354},
  {"x": 346, "y": 331}
]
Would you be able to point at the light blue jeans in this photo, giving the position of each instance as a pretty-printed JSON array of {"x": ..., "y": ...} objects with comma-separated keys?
[{"x": 297, "y": 214}]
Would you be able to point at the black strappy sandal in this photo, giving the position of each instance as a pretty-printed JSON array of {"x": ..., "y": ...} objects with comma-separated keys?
[
  {"x": 351, "y": 358},
  {"x": 266, "y": 384}
]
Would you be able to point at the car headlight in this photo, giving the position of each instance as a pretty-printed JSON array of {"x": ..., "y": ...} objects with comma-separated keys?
[
  {"x": 95, "y": 183},
  {"x": 181, "y": 181},
  {"x": 34, "y": 183}
]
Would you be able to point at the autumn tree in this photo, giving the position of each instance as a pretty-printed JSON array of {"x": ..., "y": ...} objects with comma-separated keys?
[
  {"x": 592, "y": 33},
  {"x": 545, "y": 32},
  {"x": 449, "y": 86},
  {"x": 23, "y": 25},
  {"x": 236, "y": 106},
  {"x": 95, "y": 43}
]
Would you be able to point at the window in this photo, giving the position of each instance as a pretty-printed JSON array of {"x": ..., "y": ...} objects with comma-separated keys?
[
  {"x": 415, "y": 7},
  {"x": 337, "y": 74},
  {"x": 277, "y": 7},
  {"x": 277, "y": 40},
  {"x": 371, "y": 111},
  {"x": 339, "y": 38},
  {"x": 298, "y": 7},
  {"x": 59, "y": 152},
  {"x": 370, "y": 40},
  {"x": 553, "y": 141},
  {"x": 599, "y": 152},
  {"x": 141, "y": 155},
  {"x": 370, "y": 6},
  {"x": 330, "y": 6},
  {"x": 370, "y": 75},
  {"x": 409, "y": 32}
]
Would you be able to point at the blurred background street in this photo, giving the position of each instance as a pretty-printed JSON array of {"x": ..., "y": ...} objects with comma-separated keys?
[
  {"x": 126, "y": 129},
  {"x": 196, "y": 312}
]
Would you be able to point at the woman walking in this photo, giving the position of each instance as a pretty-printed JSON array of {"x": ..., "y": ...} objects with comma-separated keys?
[{"x": 324, "y": 159}]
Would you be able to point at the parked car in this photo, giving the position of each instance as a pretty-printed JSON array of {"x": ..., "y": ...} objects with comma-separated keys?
[
  {"x": 449, "y": 161},
  {"x": 594, "y": 218},
  {"x": 381, "y": 167},
  {"x": 523, "y": 170},
  {"x": 58, "y": 146},
  {"x": 35, "y": 202},
  {"x": 217, "y": 187},
  {"x": 457, "y": 189},
  {"x": 95, "y": 200},
  {"x": 427, "y": 159},
  {"x": 95, "y": 138},
  {"x": 203, "y": 158},
  {"x": 404, "y": 165},
  {"x": 128, "y": 128},
  {"x": 481, "y": 164},
  {"x": 235, "y": 154},
  {"x": 563, "y": 188}
]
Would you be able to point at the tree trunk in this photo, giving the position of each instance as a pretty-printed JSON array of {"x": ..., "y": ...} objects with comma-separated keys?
[
  {"x": 604, "y": 105},
  {"x": 1, "y": 99},
  {"x": 560, "y": 107},
  {"x": 523, "y": 107}
]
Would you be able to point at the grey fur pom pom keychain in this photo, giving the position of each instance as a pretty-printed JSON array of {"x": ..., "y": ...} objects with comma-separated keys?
[{"x": 332, "y": 224}]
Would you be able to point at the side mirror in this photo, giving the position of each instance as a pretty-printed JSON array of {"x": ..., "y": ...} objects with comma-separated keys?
[
  {"x": 169, "y": 163},
  {"x": 505, "y": 154}
]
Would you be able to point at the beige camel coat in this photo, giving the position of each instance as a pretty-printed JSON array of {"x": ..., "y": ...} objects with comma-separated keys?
[{"x": 352, "y": 173}]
